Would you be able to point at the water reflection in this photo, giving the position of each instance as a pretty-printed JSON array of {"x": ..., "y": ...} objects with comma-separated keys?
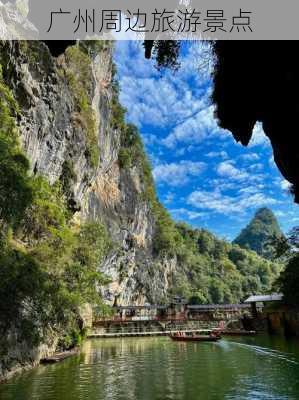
[{"x": 157, "y": 368}]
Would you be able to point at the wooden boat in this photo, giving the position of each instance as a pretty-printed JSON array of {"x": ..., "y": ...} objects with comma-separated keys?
[{"x": 195, "y": 338}]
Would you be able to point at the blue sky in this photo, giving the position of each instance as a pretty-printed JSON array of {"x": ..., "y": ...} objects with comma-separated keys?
[{"x": 203, "y": 176}]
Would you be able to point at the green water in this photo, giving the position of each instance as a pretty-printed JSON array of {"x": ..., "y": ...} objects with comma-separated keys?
[{"x": 157, "y": 368}]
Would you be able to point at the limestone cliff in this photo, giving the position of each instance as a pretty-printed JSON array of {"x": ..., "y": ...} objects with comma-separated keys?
[
  {"x": 72, "y": 130},
  {"x": 56, "y": 137}
]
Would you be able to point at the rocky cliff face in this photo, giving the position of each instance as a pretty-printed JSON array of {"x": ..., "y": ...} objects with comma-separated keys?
[{"x": 54, "y": 136}]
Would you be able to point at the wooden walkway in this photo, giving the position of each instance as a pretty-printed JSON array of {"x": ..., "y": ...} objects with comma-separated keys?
[{"x": 139, "y": 334}]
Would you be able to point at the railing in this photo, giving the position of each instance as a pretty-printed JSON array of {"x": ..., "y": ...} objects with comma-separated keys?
[
  {"x": 218, "y": 307},
  {"x": 117, "y": 319},
  {"x": 172, "y": 327},
  {"x": 99, "y": 321},
  {"x": 193, "y": 311}
]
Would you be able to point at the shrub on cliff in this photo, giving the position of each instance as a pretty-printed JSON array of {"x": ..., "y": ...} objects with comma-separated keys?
[
  {"x": 48, "y": 267},
  {"x": 78, "y": 73},
  {"x": 15, "y": 185},
  {"x": 124, "y": 158},
  {"x": 48, "y": 271}
]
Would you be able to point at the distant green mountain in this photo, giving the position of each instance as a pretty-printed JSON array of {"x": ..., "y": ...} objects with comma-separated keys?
[
  {"x": 258, "y": 233},
  {"x": 211, "y": 270}
]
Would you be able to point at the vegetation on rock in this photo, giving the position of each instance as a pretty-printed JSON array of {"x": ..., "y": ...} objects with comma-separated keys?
[
  {"x": 15, "y": 185},
  {"x": 78, "y": 73},
  {"x": 132, "y": 154},
  {"x": 67, "y": 179},
  {"x": 48, "y": 265},
  {"x": 259, "y": 233},
  {"x": 215, "y": 271}
]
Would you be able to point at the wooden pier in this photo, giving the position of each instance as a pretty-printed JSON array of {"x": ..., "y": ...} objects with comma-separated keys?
[{"x": 144, "y": 333}]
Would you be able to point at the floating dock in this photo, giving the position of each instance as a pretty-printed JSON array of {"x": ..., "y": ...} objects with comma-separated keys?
[{"x": 57, "y": 357}]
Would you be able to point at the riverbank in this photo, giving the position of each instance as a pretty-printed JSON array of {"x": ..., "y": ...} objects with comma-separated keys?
[
  {"x": 21, "y": 357},
  {"x": 46, "y": 357},
  {"x": 258, "y": 367},
  {"x": 16, "y": 371},
  {"x": 278, "y": 320}
]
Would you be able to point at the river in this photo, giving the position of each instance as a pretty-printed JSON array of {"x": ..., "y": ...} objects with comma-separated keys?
[{"x": 261, "y": 367}]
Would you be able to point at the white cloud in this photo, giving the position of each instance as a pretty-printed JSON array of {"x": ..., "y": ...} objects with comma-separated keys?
[
  {"x": 228, "y": 170},
  {"x": 177, "y": 174},
  {"x": 150, "y": 139},
  {"x": 251, "y": 187},
  {"x": 189, "y": 214},
  {"x": 250, "y": 157},
  {"x": 249, "y": 190},
  {"x": 127, "y": 51},
  {"x": 257, "y": 200},
  {"x": 222, "y": 204},
  {"x": 198, "y": 63},
  {"x": 256, "y": 167},
  {"x": 280, "y": 214},
  {"x": 222, "y": 184},
  {"x": 156, "y": 101},
  {"x": 159, "y": 99},
  {"x": 195, "y": 129},
  {"x": 285, "y": 185},
  {"x": 258, "y": 136},
  {"x": 214, "y": 154},
  {"x": 168, "y": 199},
  {"x": 272, "y": 162},
  {"x": 166, "y": 101}
]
